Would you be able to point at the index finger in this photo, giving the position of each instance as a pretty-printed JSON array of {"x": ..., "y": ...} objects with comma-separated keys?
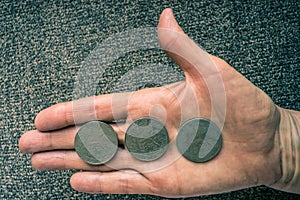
[{"x": 106, "y": 107}]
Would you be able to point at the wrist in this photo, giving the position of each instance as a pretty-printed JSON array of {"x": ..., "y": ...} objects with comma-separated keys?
[{"x": 289, "y": 137}]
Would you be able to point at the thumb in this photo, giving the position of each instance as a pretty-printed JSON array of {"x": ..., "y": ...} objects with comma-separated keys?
[
  {"x": 203, "y": 71},
  {"x": 193, "y": 60}
]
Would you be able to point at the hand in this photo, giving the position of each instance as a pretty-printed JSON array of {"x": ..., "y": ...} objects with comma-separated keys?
[{"x": 248, "y": 118}]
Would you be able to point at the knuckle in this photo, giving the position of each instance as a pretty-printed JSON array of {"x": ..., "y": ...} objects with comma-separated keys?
[
  {"x": 47, "y": 141},
  {"x": 124, "y": 184},
  {"x": 61, "y": 110},
  {"x": 170, "y": 41}
]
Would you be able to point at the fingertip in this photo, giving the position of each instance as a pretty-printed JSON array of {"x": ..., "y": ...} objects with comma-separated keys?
[
  {"x": 40, "y": 121},
  {"x": 73, "y": 181},
  {"x": 37, "y": 122},
  {"x": 49, "y": 160},
  {"x": 78, "y": 183},
  {"x": 172, "y": 39},
  {"x": 166, "y": 11},
  {"x": 168, "y": 21},
  {"x": 34, "y": 162},
  {"x": 21, "y": 144},
  {"x": 40, "y": 162},
  {"x": 24, "y": 143},
  {"x": 165, "y": 17},
  {"x": 54, "y": 117}
]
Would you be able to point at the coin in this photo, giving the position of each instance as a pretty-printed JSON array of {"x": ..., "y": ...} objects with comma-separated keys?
[
  {"x": 146, "y": 139},
  {"x": 199, "y": 140},
  {"x": 96, "y": 142}
]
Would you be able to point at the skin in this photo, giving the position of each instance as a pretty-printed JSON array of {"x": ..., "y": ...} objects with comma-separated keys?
[{"x": 250, "y": 154}]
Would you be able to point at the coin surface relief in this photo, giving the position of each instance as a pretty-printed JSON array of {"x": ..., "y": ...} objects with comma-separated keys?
[
  {"x": 199, "y": 140},
  {"x": 146, "y": 139},
  {"x": 96, "y": 143}
]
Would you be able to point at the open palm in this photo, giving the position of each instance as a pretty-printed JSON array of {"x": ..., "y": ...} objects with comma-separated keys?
[{"x": 247, "y": 117}]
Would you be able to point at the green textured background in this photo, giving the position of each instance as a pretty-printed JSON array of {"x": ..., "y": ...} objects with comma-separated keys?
[{"x": 43, "y": 45}]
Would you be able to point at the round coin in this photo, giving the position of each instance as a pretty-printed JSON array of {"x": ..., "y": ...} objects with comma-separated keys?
[
  {"x": 146, "y": 139},
  {"x": 96, "y": 142},
  {"x": 199, "y": 140}
]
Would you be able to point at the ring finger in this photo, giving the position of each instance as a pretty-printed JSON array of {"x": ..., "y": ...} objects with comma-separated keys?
[{"x": 69, "y": 159}]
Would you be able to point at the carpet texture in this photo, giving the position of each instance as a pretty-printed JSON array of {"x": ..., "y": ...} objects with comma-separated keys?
[{"x": 44, "y": 44}]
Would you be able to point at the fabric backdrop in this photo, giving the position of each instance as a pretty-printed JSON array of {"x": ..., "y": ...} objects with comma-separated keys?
[{"x": 44, "y": 44}]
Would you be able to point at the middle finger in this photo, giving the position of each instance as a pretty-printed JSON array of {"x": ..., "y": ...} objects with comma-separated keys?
[{"x": 37, "y": 141}]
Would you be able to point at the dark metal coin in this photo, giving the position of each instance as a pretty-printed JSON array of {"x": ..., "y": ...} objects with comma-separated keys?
[
  {"x": 96, "y": 142},
  {"x": 199, "y": 140},
  {"x": 146, "y": 139}
]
